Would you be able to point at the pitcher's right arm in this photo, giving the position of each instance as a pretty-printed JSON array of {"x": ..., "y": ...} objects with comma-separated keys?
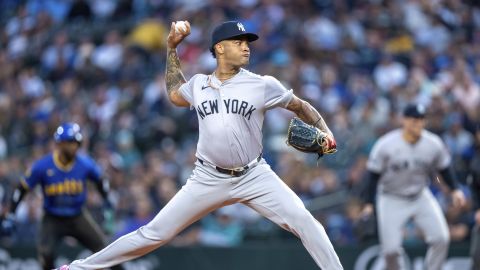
[{"x": 173, "y": 74}]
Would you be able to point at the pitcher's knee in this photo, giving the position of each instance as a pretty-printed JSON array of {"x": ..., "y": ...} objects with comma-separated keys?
[
  {"x": 164, "y": 235},
  {"x": 442, "y": 240},
  {"x": 301, "y": 219}
]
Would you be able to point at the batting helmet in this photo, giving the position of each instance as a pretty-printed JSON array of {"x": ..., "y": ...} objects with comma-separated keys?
[{"x": 68, "y": 132}]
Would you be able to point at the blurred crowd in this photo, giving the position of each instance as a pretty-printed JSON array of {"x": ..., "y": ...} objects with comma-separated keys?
[{"x": 101, "y": 64}]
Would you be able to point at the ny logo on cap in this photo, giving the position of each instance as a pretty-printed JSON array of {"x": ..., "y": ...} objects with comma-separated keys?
[
  {"x": 240, "y": 27},
  {"x": 421, "y": 109}
]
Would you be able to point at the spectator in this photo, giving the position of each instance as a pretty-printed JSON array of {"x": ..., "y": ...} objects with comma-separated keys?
[
  {"x": 109, "y": 55},
  {"x": 57, "y": 59},
  {"x": 389, "y": 74},
  {"x": 221, "y": 229},
  {"x": 141, "y": 215}
]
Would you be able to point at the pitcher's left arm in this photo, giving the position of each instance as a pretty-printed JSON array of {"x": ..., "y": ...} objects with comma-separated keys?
[{"x": 308, "y": 114}]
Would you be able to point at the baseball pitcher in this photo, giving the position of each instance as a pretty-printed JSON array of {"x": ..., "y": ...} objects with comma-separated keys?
[
  {"x": 230, "y": 104},
  {"x": 401, "y": 162}
]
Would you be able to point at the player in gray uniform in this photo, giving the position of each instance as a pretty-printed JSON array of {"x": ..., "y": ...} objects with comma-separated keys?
[
  {"x": 402, "y": 162},
  {"x": 230, "y": 104}
]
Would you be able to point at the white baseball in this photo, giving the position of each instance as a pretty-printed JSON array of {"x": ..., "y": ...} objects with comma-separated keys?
[{"x": 180, "y": 27}]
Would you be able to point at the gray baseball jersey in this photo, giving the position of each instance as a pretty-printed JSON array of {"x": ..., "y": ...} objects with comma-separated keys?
[
  {"x": 230, "y": 114},
  {"x": 406, "y": 168}
]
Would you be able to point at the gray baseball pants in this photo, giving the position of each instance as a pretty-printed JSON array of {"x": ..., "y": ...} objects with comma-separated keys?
[
  {"x": 206, "y": 190},
  {"x": 394, "y": 212}
]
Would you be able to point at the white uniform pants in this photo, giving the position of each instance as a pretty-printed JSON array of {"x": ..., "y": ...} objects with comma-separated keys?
[{"x": 206, "y": 190}]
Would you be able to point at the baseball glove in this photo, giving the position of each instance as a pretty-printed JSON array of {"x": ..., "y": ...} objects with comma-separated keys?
[{"x": 309, "y": 139}]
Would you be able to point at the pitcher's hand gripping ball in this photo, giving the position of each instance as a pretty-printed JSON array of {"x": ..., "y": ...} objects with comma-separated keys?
[
  {"x": 180, "y": 27},
  {"x": 309, "y": 139}
]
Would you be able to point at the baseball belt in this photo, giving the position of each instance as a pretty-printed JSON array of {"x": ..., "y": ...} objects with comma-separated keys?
[
  {"x": 410, "y": 197},
  {"x": 235, "y": 171}
]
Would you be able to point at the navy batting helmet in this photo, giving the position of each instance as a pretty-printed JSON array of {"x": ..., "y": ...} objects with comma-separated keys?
[{"x": 68, "y": 132}]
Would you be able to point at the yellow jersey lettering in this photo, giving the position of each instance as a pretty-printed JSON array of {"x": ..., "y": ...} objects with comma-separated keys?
[
  {"x": 80, "y": 186},
  {"x": 49, "y": 190},
  {"x": 67, "y": 187}
]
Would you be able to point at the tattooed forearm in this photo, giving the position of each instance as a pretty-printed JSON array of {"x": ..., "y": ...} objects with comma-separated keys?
[
  {"x": 173, "y": 75},
  {"x": 308, "y": 114},
  {"x": 311, "y": 116}
]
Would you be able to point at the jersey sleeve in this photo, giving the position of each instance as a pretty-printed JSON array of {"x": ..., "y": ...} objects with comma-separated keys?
[
  {"x": 33, "y": 176},
  {"x": 276, "y": 95},
  {"x": 94, "y": 171},
  {"x": 376, "y": 159},
  {"x": 187, "y": 88},
  {"x": 443, "y": 158}
]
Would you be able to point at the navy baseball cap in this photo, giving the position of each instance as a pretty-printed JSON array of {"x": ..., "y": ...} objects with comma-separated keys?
[
  {"x": 415, "y": 111},
  {"x": 229, "y": 30}
]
